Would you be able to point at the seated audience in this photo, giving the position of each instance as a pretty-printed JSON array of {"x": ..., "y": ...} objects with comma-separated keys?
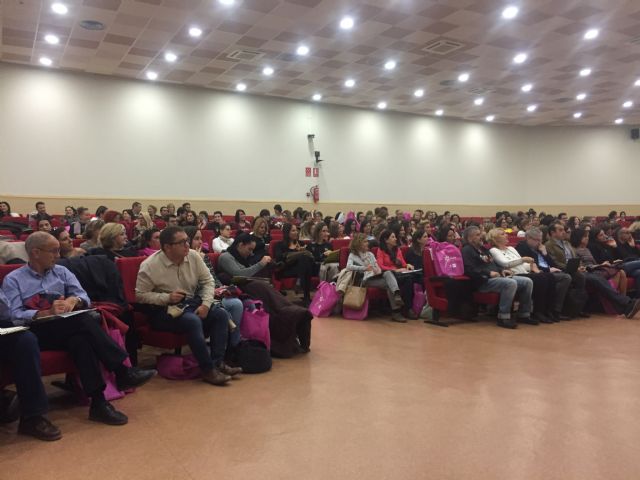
[
  {"x": 164, "y": 213},
  {"x": 580, "y": 242},
  {"x": 67, "y": 250},
  {"x": 92, "y": 235},
  {"x": 172, "y": 221},
  {"x": 320, "y": 248},
  {"x": 171, "y": 209},
  {"x": 190, "y": 219},
  {"x": 447, "y": 233},
  {"x": 113, "y": 243},
  {"x": 78, "y": 227},
  {"x": 203, "y": 219},
  {"x": 127, "y": 216},
  {"x": 216, "y": 223},
  {"x": 390, "y": 258},
  {"x": 240, "y": 221},
  {"x": 100, "y": 211},
  {"x": 294, "y": 260},
  {"x": 40, "y": 214},
  {"x": 143, "y": 223},
  {"x": 533, "y": 247},
  {"x": 306, "y": 231},
  {"x": 22, "y": 351},
  {"x": 627, "y": 251},
  {"x": 223, "y": 240},
  {"x": 149, "y": 242},
  {"x": 44, "y": 225},
  {"x": 366, "y": 229},
  {"x": 113, "y": 216},
  {"x": 561, "y": 251},
  {"x": 261, "y": 236},
  {"x": 487, "y": 276},
  {"x": 362, "y": 261},
  {"x": 544, "y": 288},
  {"x": 289, "y": 324},
  {"x": 70, "y": 215},
  {"x": 178, "y": 285},
  {"x": 605, "y": 252},
  {"x": 5, "y": 211},
  {"x": 232, "y": 305},
  {"x": 136, "y": 210},
  {"x": 43, "y": 289},
  {"x": 152, "y": 210}
]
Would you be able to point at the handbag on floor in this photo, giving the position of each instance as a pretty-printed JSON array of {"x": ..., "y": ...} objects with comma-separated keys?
[
  {"x": 355, "y": 295},
  {"x": 255, "y": 323},
  {"x": 324, "y": 300}
]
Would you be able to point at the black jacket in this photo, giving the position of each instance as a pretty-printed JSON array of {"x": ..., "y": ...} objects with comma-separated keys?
[
  {"x": 525, "y": 250},
  {"x": 99, "y": 276},
  {"x": 478, "y": 264}
]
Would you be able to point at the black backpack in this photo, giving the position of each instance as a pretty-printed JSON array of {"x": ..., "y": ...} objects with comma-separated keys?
[{"x": 251, "y": 355}]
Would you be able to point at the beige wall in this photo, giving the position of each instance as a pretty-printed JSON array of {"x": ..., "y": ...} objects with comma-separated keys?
[{"x": 97, "y": 140}]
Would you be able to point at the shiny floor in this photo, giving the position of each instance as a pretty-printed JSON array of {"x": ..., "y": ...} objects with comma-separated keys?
[{"x": 376, "y": 400}]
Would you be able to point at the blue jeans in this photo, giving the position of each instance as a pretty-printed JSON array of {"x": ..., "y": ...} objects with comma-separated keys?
[
  {"x": 507, "y": 288},
  {"x": 236, "y": 309}
]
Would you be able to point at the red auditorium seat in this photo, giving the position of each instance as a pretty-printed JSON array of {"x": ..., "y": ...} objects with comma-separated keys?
[
  {"x": 339, "y": 243},
  {"x": 128, "y": 268},
  {"x": 286, "y": 283},
  {"x": 436, "y": 293},
  {"x": 207, "y": 236}
]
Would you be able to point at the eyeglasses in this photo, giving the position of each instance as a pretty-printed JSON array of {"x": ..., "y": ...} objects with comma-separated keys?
[
  {"x": 180, "y": 242},
  {"x": 53, "y": 251}
]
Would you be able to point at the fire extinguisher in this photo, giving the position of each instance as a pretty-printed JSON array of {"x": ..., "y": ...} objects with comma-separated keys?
[{"x": 315, "y": 194}]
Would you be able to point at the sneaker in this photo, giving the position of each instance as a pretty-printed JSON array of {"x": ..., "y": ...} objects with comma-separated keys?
[
  {"x": 507, "y": 323},
  {"x": 398, "y": 299},
  {"x": 426, "y": 313},
  {"x": 634, "y": 308},
  {"x": 396, "y": 316},
  {"x": 231, "y": 371}
]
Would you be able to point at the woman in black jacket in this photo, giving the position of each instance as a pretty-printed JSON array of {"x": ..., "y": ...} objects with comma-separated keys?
[
  {"x": 294, "y": 260},
  {"x": 320, "y": 248}
]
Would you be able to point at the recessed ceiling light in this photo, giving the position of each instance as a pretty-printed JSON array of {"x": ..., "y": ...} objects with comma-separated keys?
[
  {"x": 346, "y": 23},
  {"x": 463, "y": 77},
  {"x": 382, "y": 105},
  {"x": 170, "y": 57},
  {"x": 591, "y": 34},
  {"x": 527, "y": 87},
  {"x": 152, "y": 75},
  {"x": 577, "y": 115},
  {"x": 316, "y": 97},
  {"x": 627, "y": 104},
  {"x": 581, "y": 96},
  {"x": 195, "y": 32},
  {"x": 490, "y": 118},
  {"x": 59, "y": 8},
  {"x": 241, "y": 87},
  {"x": 618, "y": 121},
  {"x": 478, "y": 101},
  {"x": 350, "y": 83},
  {"x": 439, "y": 112},
  {"x": 302, "y": 50},
  {"x": 46, "y": 61},
  {"x": 390, "y": 65},
  {"x": 585, "y": 72},
  {"x": 532, "y": 108},
  {"x": 520, "y": 58},
  {"x": 51, "y": 39},
  {"x": 268, "y": 71},
  {"x": 227, "y": 2},
  {"x": 510, "y": 12},
  {"x": 418, "y": 93},
  {"x": 637, "y": 84}
]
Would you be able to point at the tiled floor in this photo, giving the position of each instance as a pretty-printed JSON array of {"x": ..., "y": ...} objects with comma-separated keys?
[{"x": 376, "y": 400}]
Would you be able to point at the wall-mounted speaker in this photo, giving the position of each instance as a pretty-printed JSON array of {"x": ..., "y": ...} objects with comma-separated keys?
[{"x": 635, "y": 133}]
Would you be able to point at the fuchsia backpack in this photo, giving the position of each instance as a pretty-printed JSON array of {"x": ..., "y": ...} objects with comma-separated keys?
[{"x": 447, "y": 259}]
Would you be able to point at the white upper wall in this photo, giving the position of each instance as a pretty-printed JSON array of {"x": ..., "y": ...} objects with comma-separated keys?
[{"x": 79, "y": 135}]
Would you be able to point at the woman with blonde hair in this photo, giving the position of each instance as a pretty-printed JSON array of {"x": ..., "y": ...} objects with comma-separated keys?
[
  {"x": 113, "y": 241},
  {"x": 260, "y": 234},
  {"x": 92, "y": 235},
  {"x": 143, "y": 223}
]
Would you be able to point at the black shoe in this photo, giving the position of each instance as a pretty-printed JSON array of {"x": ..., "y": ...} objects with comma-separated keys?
[
  {"x": 635, "y": 307},
  {"x": 541, "y": 318},
  {"x": 507, "y": 324},
  {"x": 134, "y": 377},
  {"x": 9, "y": 406},
  {"x": 546, "y": 318},
  {"x": 39, "y": 427},
  {"x": 558, "y": 316},
  {"x": 529, "y": 320},
  {"x": 106, "y": 413},
  {"x": 584, "y": 315}
]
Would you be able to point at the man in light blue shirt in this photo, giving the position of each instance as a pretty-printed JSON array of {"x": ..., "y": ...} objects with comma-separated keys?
[{"x": 43, "y": 289}]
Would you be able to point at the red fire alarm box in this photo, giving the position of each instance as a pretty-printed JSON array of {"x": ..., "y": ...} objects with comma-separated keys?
[
  {"x": 316, "y": 172},
  {"x": 307, "y": 171}
]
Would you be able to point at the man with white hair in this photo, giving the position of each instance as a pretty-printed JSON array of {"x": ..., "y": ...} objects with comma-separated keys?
[{"x": 38, "y": 294}]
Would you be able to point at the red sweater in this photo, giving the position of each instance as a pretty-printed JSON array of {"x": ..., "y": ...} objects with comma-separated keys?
[{"x": 385, "y": 262}]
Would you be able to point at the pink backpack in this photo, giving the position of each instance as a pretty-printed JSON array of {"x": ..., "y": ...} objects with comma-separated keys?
[{"x": 447, "y": 259}]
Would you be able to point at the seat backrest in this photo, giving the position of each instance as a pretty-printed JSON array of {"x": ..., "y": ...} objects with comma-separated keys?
[
  {"x": 160, "y": 224},
  {"x": 128, "y": 267},
  {"x": 344, "y": 256},
  {"x": 272, "y": 248},
  {"x": 77, "y": 242},
  {"x": 207, "y": 236},
  {"x": 338, "y": 243},
  {"x": 213, "y": 258},
  {"x": 7, "y": 269}
]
